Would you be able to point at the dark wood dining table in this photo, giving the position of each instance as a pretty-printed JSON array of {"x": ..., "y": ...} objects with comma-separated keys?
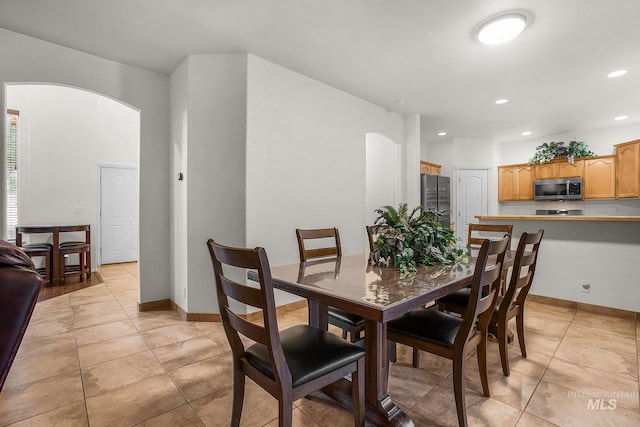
[{"x": 377, "y": 294}]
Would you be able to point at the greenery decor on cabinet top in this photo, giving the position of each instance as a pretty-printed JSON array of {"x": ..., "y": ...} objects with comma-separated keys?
[
  {"x": 552, "y": 150},
  {"x": 404, "y": 240}
]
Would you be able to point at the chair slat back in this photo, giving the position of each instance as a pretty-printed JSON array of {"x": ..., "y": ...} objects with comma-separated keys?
[
  {"x": 330, "y": 234},
  {"x": 476, "y": 240},
  {"x": 486, "y": 280},
  {"x": 261, "y": 297},
  {"x": 524, "y": 267}
]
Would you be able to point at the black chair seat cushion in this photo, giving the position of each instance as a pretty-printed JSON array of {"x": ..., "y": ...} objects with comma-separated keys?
[
  {"x": 36, "y": 248},
  {"x": 458, "y": 298},
  {"x": 345, "y": 317},
  {"x": 74, "y": 245},
  {"x": 310, "y": 353},
  {"x": 428, "y": 325}
]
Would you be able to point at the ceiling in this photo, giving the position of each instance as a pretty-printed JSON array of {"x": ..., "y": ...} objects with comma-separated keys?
[{"x": 409, "y": 56}]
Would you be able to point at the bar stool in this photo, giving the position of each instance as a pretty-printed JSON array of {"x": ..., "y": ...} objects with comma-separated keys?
[
  {"x": 41, "y": 250},
  {"x": 83, "y": 250}
]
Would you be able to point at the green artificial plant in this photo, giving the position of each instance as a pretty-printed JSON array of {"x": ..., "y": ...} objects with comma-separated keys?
[
  {"x": 552, "y": 150},
  {"x": 405, "y": 239}
]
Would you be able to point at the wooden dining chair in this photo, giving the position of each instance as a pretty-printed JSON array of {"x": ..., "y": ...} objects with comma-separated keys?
[
  {"x": 478, "y": 233},
  {"x": 511, "y": 304},
  {"x": 324, "y": 243},
  {"x": 289, "y": 364},
  {"x": 455, "y": 337}
]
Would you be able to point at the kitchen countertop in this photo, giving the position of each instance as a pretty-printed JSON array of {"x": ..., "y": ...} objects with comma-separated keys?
[{"x": 561, "y": 217}]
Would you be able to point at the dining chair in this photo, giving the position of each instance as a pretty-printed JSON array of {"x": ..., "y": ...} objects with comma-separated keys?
[
  {"x": 455, "y": 337},
  {"x": 323, "y": 243},
  {"x": 289, "y": 364},
  {"x": 477, "y": 233},
  {"x": 512, "y": 303}
]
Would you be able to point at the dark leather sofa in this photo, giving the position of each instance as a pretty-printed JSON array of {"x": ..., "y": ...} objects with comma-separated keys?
[{"x": 19, "y": 288}]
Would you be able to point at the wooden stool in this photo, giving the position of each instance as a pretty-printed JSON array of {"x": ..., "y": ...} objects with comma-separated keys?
[
  {"x": 41, "y": 250},
  {"x": 83, "y": 250}
]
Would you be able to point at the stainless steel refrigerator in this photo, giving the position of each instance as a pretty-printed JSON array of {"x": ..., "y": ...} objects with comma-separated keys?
[{"x": 435, "y": 195}]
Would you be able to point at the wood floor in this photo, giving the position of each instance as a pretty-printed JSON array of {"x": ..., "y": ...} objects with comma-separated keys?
[{"x": 70, "y": 284}]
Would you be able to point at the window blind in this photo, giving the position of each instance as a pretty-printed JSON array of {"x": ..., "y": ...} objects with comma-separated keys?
[{"x": 12, "y": 173}]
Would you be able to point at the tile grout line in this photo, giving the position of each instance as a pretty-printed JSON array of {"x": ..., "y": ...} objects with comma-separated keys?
[{"x": 545, "y": 370}]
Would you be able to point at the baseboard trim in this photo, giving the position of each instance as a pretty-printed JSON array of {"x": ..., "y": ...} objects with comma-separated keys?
[
  {"x": 591, "y": 308},
  {"x": 170, "y": 305},
  {"x": 160, "y": 305}
]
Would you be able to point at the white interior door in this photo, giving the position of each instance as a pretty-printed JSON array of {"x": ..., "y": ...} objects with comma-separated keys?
[
  {"x": 472, "y": 200},
  {"x": 119, "y": 214}
]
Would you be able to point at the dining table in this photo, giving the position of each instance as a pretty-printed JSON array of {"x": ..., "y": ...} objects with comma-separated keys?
[{"x": 378, "y": 294}]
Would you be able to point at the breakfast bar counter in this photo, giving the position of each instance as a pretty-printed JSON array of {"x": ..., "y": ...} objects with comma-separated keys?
[
  {"x": 583, "y": 258},
  {"x": 560, "y": 217}
]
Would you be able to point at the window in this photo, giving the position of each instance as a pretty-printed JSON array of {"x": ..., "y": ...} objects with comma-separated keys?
[{"x": 12, "y": 163}]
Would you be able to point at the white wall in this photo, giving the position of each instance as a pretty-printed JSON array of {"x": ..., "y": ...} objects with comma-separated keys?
[
  {"x": 600, "y": 141},
  {"x": 383, "y": 174},
  {"x": 64, "y": 134},
  {"x": 28, "y": 60},
  {"x": 306, "y": 159},
  {"x": 179, "y": 93}
]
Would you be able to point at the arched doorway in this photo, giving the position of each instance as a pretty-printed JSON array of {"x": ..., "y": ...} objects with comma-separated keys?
[{"x": 66, "y": 134}]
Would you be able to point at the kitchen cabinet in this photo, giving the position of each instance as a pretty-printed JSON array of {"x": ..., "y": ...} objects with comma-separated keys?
[
  {"x": 628, "y": 169},
  {"x": 515, "y": 183},
  {"x": 559, "y": 169},
  {"x": 430, "y": 168},
  {"x": 599, "y": 179},
  {"x": 570, "y": 170}
]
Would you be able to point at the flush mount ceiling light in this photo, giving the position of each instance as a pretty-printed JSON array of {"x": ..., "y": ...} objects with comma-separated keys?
[
  {"x": 501, "y": 101},
  {"x": 621, "y": 118},
  {"x": 442, "y": 133},
  {"x": 501, "y": 28},
  {"x": 526, "y": 133}
]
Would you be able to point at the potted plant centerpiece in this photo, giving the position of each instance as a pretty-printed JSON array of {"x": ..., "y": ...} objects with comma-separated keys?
[{"x": 405, "y": 239}]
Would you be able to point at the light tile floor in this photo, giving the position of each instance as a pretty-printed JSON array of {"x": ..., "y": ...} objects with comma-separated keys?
[{"x": 89, "y": 358}]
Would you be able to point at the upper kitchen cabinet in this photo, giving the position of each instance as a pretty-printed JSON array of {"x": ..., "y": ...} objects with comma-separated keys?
[
  {"x": 515, "y": 183},
  {"x": 559, "y": 169},
  {"x": 430, "y": 168},
  {"x": 628, "y": 169},
  {"x": 600, "y": 178}
]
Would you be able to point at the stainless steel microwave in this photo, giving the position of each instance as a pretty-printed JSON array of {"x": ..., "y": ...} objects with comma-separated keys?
[{"x": 557, "y": 189}]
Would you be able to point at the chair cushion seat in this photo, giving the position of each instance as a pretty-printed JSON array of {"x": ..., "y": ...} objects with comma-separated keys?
[
  {"x": 310, "y": 353},
  {"x": 74, "y": 245},
  {"x": 37, "y": 247},
  {"x": 345, "y": 317},
  {"x": 459, "y": 298},
  {"x": 427, "y": 324}
]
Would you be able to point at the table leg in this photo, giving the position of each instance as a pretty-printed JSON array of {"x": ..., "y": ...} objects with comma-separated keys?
[
  {"x": 318, "y": 315},
  {"x": 380, "y": 408},
  {"x": 55, "y": 276}
]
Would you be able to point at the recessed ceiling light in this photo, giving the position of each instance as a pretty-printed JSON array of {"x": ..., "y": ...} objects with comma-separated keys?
[
  {"x": 501, "y": 101},
  {"x": 617, "y": 73},
  {"x": 442, "y": 133},
  {"x": 526, "y": 133},
  {"x": 501, "y": 28},
  {"x": 621, "y": 118}
]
